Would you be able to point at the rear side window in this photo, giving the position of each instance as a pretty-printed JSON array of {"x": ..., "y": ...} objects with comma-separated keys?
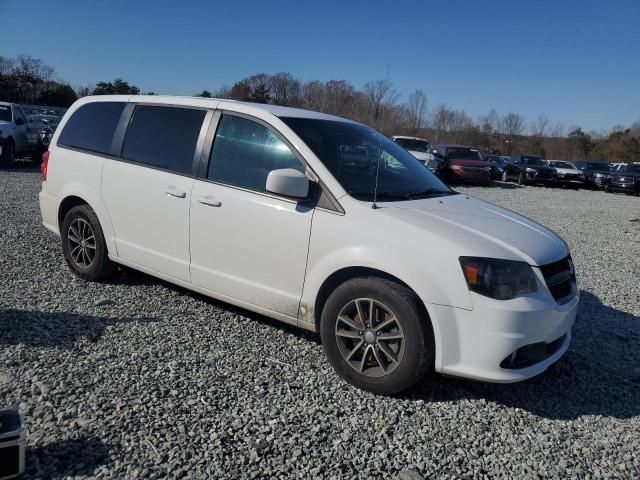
[
  {"x": 91, "y": 127},
  {"x": 163, "y": 137},
  {"x": 244, "y": 152}
]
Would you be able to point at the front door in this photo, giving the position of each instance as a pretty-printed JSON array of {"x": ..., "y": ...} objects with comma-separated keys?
[{"x": 248, "y": 244}]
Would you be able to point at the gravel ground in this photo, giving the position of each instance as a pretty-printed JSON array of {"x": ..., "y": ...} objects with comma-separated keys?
[{"x": 135, "y": 378}]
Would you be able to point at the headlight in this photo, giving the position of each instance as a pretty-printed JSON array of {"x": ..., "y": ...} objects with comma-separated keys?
[
  {"x": 599, "y": 175},
  {"x": 456, "y": 167},
  {"x": 531, "y": 170},
  {"x": 499, "y": 279},
  {"x": 486, "y": 169}
]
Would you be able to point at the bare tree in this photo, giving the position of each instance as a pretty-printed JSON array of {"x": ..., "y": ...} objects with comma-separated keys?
[
  {"x": 513, "y": 125},
  {"x": 557, "y": 131},
  {"x": 85, "y": 90},
  {"x": 441, "y": 120},
  {"x": 381, "y": 95},
  {"x": 7, "y": 65},
  {"x": 285, "y": 89},
  {"x": 313, "y": 96},
  {"x": 416, "y": 109},
  {"x": 539, "y": 126}
]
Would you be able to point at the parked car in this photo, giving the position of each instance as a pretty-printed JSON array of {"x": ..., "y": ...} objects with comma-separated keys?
[
  {"x": 416, "y": 146},
  {"x": 316, "y": 221},
  {"x": 497, "y": 164},
  {"x": 462, "y": 164},
  {"x": 596, "y": 173},
  {"x": 18, "y": 137},
  {"x": 529, "y": 169},
  {"x": 625, "y": 179},
  {"x": 568, "y": 174}
]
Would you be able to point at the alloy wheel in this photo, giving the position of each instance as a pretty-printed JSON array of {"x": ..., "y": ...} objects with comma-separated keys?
[
  {"x": 82, "y": 243},
  {"x": 370, "y": 337}
]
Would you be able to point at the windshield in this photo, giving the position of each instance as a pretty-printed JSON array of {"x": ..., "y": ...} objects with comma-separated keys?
[
  {"x": 631, "y": 168},
  {"x": 599, "y": 166},
  {"x": 536, "y": 161},
  {"x": 413, "y": 144},
  {"x": 562, "y": 165},
  {"x": 352, "y": 152},
  {"x": 463, "y": 153},
  {"x": 5, "y": 113}
]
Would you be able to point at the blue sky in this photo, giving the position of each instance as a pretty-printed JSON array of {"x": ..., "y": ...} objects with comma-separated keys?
[{"x": 577, "y": 62}]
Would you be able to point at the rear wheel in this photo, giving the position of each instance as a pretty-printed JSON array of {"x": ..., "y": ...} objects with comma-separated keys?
[
  {"x": 376, "y": 335},
  {"x": 505, "y": 178},
  {"x": 83, "y": 244},
  {"x": 8, "y": 157}
]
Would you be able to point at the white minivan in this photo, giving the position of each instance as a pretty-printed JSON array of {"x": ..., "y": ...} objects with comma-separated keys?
[{"x": 316, "y": 221}]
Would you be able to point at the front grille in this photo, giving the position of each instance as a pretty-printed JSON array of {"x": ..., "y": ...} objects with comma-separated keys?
[
  {"x": 561, "y": 278},
  {"x": 544, "y": 175},
  {"x": 572, "y": 176}
]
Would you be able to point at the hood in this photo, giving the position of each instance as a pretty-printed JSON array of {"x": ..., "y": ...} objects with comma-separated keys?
[
  {"x": 625, "y": 174},
  {"x": 469, "y": 163},
  {"x": 540, "y": 168},
  {"x": 482, "y": 229},
  {"x": 422, "y": 156},
  {"x": 568, "y": 170}
]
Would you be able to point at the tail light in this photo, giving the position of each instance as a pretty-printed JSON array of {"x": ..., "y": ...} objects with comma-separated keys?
[{"x": 45, "y": 165}]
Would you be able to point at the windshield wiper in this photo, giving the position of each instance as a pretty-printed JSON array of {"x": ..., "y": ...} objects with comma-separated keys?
[{"x": 429, "y": 192}]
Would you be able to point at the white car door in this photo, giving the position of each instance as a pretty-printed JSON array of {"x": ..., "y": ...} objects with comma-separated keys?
[
  {"x": 148, "y": 192},
  {"x": 247, "y": 244}
]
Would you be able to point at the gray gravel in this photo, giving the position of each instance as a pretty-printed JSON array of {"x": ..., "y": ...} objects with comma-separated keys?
[{"x": 135, "y": 378}]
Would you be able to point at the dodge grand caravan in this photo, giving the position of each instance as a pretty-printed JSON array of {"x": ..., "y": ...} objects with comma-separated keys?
[{"x": 316, "y": 221}]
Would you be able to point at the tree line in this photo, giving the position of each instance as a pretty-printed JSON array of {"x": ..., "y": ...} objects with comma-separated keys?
[{"x": 378, "y": 104}]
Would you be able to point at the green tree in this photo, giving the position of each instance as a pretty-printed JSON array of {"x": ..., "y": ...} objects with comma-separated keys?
[
  {"x": 631, "y": 150},
  {"x": 57, "y": 95},
  {"x": 205, "y": 94},
  {"x": 581, "y": 141},
  {"x": 118, "y": 87},
  {"x": 261, "y": 94}
]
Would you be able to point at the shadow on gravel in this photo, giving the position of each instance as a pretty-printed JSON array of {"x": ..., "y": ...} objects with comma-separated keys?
[
  {"x": 53, "y": 329},
  {"x": 22, "y": 166},
  {"x": 599, "y": 375},
  {"x": 66, "y": 458}
]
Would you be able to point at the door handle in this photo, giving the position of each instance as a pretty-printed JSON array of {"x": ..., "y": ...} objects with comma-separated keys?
[
  {"x": 210, "y": 201},
  {"x": 174, "y": 192}
]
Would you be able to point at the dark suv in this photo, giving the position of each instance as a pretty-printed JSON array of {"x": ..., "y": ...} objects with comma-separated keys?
[
  {"x": 596, "y": 174},
  {"x": 529, "y": 169},
  {"x": 625, "y": 179}
]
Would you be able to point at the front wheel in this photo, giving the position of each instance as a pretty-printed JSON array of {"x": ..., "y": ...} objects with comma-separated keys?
[
  {"x": 376, "y": 335},
  {"x": 521, "y": 179},
  {"x": 505, "y": 178},
  {"x": 83, "y": 244}
]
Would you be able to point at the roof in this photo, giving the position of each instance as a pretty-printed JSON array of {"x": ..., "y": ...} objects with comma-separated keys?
[
  {"x": 410, "y": 138},
  {"x": 247, "y": 107}
]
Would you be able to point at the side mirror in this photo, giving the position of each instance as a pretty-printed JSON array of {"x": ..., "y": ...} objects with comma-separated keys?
[
  {"x": 19, "y": 121},
  {"x": 288, "y": 182}
]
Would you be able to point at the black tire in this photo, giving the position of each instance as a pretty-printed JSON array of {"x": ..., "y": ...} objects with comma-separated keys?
[
  {"x": 505, "y": 177},
  {"x": 8, "y": 157},
  {"x": 521, "y": 179},
  {"x": 86, "y": 266},
  {"x": 414, "y": 353}
]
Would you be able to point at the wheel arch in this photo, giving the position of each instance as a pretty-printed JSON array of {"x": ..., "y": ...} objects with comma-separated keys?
[
  {"x": 344, "y": 274},
  {"x": 67, "y": 204}
]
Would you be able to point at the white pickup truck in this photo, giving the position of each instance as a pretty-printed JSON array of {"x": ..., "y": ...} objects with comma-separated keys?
[{"x": 19, "y": 136}]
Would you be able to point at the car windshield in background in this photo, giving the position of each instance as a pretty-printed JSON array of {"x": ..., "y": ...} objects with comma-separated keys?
[
  {"x": 496, "y": 161},
  {"x": 413, "y": 144},
  {"x": 463, "y": 154},
  {"x": 631, "y": 169},
  {"x": 5, "y": 113},
  {"x": 534, "y": 161},
  {"x": 563, "y": 165},
  {"x": 353, "y": 153},
  {"x": 599, "y": 166}
]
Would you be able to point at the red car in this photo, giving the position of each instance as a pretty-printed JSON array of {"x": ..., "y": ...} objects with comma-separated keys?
[{"x": 462, "y": 164}]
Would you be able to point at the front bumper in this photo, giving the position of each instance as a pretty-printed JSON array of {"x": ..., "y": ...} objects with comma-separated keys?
[
  {"x": 624, "y": 187},
  {"x": 465, "y": 176},
  {"x": 490, "y": 342}
]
